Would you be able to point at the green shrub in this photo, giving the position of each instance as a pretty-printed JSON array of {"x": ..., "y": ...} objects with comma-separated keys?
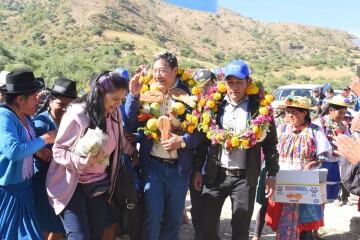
[
  {"x": 219, "y": 55},
  {"x": 97, "y": 31},
  {"x": 289, "y": 75},
  {"x": 127, "y": 46},
  {"x": 209, "y": 41}
]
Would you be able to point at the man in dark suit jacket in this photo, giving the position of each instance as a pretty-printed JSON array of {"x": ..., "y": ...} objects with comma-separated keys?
[
  {"x": 235, "y": 174},
  {"x": 166, "y": 165}
]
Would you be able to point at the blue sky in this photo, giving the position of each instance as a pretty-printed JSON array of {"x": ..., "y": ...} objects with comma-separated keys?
[
  {"x": 204, "y": 5},
  {"x": 344, "y": 15}
]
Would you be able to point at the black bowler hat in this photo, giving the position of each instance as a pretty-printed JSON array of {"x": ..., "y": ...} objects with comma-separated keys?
[
  {"x": 21, "y": 81},
  {"x": 64, "y": 87}
]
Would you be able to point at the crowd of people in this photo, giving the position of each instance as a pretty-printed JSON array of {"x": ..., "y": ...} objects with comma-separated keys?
[{"x": 60, "y": 154}]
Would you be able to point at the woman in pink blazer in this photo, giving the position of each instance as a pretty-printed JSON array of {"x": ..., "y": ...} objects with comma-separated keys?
[{"x": 77, "y": 185}]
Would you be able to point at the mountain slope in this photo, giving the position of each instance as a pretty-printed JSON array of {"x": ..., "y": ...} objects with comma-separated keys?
[{"x": 79, "y": 38}]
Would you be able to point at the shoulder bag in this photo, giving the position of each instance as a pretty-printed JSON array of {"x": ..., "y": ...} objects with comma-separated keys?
[{"x": 124, "y": 192}]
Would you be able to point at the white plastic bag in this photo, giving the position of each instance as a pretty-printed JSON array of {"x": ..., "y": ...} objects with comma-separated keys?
[{"x": 91, "y": 142}]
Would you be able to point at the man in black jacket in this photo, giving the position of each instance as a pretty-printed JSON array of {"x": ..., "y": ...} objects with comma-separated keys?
[{"x": 235, "y": 173}]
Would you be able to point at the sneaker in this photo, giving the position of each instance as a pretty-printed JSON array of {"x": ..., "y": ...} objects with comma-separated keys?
[{"x": 338, "y": 203}]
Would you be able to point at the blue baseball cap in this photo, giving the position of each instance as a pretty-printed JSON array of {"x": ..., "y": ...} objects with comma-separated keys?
[
  {"x": 123, "y": 72},
  {"x": 237, "y": 68}
]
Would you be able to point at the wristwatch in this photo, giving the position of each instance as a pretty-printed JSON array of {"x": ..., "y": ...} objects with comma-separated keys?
[{"x": 183, "y": 144}]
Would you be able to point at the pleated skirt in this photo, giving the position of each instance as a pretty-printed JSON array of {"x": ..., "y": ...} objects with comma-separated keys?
[
  {"x": 18, "y": 219},
  {"x": 48, "y": 220}
]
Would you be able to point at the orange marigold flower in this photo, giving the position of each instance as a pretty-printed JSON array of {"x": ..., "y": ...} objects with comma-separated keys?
[{"x": 190, "y": 129}]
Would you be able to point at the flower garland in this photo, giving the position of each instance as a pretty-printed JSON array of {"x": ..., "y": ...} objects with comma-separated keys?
[
  {"x": 203, "y": 116},
  {"x": 150, "y": 112},
  {"x": 257, "y": 126}
]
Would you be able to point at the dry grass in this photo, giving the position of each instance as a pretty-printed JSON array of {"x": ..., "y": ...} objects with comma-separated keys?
[
  {"x": 314, "y": 73},
  {"x": 155, "y": 26}
]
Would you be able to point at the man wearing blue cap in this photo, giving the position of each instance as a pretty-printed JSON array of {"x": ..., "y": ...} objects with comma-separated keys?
[{"x": 236, "y": 174}]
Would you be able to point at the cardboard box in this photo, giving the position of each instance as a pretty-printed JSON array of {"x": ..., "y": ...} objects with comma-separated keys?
[{"x": 307, "y": 187}]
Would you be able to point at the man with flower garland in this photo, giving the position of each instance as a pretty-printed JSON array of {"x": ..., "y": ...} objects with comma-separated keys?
[
  {"x": 166, "y": 164},
  {"x": 235, "y": 172}
]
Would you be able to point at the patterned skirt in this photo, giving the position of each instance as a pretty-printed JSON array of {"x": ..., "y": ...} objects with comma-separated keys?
[
  {"x": 18, "y": 219},
  {"x": 289, "y": 219}
]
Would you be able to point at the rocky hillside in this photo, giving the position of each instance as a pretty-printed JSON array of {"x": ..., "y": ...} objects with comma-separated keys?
[{"x": 76, "y": 38}]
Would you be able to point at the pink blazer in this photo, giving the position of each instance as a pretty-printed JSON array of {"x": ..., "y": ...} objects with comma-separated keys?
[{"x": 66, "y": 167}]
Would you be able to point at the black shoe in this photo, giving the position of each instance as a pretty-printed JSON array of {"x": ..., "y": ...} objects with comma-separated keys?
[{"x": 306, "y": 235}]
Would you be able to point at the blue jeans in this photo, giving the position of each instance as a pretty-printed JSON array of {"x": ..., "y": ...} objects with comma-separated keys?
[
  {"x": 164, "y": 192},
  {"x": 84, "y": 217}
]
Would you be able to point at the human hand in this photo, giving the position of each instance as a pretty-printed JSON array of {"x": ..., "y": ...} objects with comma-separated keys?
[
  {"x": 130, "y": 137},
  {"x": 50, "y": 136},
  {"x": 173, "y": 143},
  {"x": 135, "y": 86},
  {"x": 309, "y": 165},
  {"x": 269, "y": 187},
  {"x": 355, "y": 85},
  {"x": 98, "y": 158},
  {"x": 44, "y": 154},
  {"x": 41, "y": 94},
  {"x": 135, "y": 162},
  {"x": 348, "y": 148},
  {"x": 198, "y": 181}
]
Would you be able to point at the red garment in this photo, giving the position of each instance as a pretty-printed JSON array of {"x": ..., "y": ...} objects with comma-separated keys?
[
  {"x": 359, "y": 205},
  {"x": 311, "y": 226},
  {"x": 273, "y": 214}
]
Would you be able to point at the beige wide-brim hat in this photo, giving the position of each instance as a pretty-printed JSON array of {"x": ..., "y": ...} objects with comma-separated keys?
[
  {"x": 296, "y": 102},
  {"x": 339, "y": 101}
]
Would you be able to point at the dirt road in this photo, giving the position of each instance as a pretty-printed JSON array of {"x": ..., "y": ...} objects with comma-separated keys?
[{"x": 341, "y": 223}]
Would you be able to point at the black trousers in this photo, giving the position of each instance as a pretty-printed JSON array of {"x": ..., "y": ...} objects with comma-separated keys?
[
  {"x": 196, "y": 207},
  {"x": 242, "y": 201},
  {"x": 343, "y": 194}
]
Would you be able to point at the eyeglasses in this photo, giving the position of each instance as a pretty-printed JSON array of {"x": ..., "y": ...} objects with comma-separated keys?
[{"x": 160, "y": 71}]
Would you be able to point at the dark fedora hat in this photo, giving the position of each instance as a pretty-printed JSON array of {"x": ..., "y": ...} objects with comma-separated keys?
[
  {"x": 21, "y": 81},
  {"x": 64, "y": 87}
]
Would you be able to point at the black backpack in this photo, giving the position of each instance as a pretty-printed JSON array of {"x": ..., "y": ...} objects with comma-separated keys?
[{"x": 352, "y": 180}]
